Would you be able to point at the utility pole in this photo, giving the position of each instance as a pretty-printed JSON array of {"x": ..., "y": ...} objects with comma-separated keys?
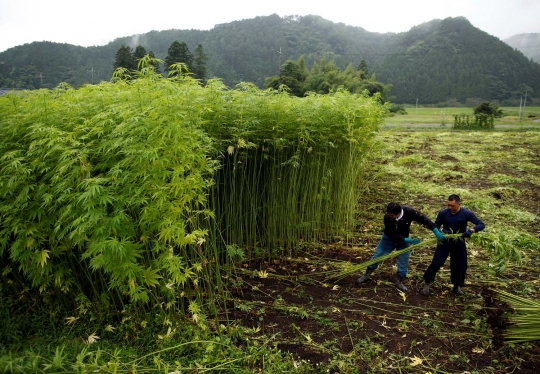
[
  {"x": 520, "y": 102},
  {"x": 416, "y": 106},
  {"x": 280, "y": 54},
  {"x": 40, "y": 76},
  {"x": 92, "y": 71},
  {"x": 524, "y": 104}
]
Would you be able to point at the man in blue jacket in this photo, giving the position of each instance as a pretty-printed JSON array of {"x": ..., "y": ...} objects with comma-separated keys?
[
  {"x": 454, "y": 220},
  {"x": 397, "y": 227}
]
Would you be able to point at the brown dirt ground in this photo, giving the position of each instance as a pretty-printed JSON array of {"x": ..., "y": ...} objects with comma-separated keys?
[{"x": 376, "y": 318}]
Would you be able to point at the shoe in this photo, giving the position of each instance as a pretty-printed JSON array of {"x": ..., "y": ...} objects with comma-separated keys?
[
  {"x": 365, "y": 277},
  {"x": 425, "y": 290},
  {"x": 457, "y": 291},
  {"x": 400, "y": 285}
]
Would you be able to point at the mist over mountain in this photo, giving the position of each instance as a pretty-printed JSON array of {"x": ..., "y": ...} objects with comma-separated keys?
[
  {"x": 434, "y": 62},
  {"x": 529, "y": 44}
]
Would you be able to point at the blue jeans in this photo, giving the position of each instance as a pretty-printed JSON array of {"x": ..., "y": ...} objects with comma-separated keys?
[{"x": 385, "y": 247}]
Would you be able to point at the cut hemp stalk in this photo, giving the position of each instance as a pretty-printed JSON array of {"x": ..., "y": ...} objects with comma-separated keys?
[
  {"x": 348, "y": 268},
  {"x": 525, "y": 319}
]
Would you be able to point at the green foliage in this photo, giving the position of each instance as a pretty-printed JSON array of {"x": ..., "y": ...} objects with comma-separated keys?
[
  {"x": 131, "y": 61},
  {"x": 138, "y": 186},
  {"x": 433, "y": 62},
  {"x": 290, "y": 165},
  {"x": 199, "y": 68},
  {"x": 139, "y": 53},
  {"x": 450, "y": 58},
  {"x": 100, "y": 187},
  {"x": 397, "y": 109},
  {"x": 125, "y": 59},
  {"x": 488, "y": 109},
  {"x": 506, "y": 246},
  {"x": 179, "y": 53},
  {"x": 481, "y": 121},
  {"x": 46, "y": 64},
  {"x": 324, "y": 78}
]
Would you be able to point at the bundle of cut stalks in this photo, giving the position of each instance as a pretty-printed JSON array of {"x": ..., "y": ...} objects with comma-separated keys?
[{"x": 525, "y": 319}]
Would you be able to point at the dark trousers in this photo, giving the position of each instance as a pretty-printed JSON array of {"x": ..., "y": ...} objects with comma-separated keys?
[{"x": 458, "y": 262}]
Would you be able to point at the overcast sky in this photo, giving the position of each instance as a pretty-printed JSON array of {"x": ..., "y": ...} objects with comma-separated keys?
[{"x": 97, "y": 22}]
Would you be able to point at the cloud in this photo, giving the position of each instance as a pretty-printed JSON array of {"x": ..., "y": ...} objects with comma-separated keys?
[{"x": 98, "y": 22}]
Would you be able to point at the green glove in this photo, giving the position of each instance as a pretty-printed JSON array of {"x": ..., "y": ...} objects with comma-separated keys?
[
  {"x": 412, "y": 241},
  {"x": 440, "y": 236}
]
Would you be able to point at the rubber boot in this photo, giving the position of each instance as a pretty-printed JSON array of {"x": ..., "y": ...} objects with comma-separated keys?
[
  {"x": 400, "y": 285},
  {"x": 457, "y": 291},
  {"x": 365, "y": 277},
  {"x": 425, "y": 290}
]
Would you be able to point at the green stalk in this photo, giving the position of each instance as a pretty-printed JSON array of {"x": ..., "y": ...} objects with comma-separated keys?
[{"x": 351, "y": 269}]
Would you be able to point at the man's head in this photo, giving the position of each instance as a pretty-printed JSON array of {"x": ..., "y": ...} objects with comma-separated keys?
[
  {"x": 393, "y": 210},
  {"x": 453, "y": 203}
]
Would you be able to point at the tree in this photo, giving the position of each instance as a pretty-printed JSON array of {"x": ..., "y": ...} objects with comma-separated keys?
[
  {"x": 489, "y": 108},
  {"x": 139, "y": 53},
  {"x": 155, "y": 64},
  {"x": 363, "y": 69},
  {"x": 179, "y": 52},
  {"x": 325, "y": 78},
  {"x": 124, "y": 59},
  {"x": 199, "y": 68},
  {"x": 302, "y": 69}
]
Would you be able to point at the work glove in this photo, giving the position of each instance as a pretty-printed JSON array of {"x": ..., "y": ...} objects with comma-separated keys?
[
  {"x": 412, "y": 241},
  {"x": 466, "y": 234},
  {"x": 446, "y": 231},
  {"x": 438, "y": 234}
]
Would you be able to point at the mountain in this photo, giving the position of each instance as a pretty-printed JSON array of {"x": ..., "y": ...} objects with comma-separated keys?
[
  {"x": 433, "y": 62},
  {"x": 529, "y": 44},
  {"x": 451, "y": 58}
]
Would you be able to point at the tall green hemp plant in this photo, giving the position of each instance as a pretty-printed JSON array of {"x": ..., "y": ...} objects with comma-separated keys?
[{"x": 102, "y": 187}]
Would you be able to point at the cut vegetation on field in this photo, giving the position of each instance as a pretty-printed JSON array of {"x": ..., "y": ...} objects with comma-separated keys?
[{"x": 377, "y": 328}]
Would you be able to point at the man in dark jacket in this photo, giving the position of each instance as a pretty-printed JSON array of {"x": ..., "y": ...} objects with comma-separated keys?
[
  {"x": 453, "y": 219},
  {"x": 397, "y": 227}
]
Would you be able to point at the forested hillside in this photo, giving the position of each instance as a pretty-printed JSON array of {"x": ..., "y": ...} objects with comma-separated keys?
[
  {"x": 451, "y": 58},
  {"x": 433, "y": 62}
]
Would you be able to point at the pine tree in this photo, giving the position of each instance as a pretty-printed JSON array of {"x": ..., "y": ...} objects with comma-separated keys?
[
  {"x": 199, "y": 70},
  {"x": 155, "y": 64},
  {"x": 139, "y": 53},
  {"x": 179, "y": 52},
  {"x": 124, "y": 59},
  {"x": 363, "y": 70}
]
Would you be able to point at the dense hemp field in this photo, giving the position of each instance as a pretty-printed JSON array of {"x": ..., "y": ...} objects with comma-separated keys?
[
  {"x": 286, "y": 314},
  {"x": 137, "y": 197},
  {"x": 155, "y": 225}
]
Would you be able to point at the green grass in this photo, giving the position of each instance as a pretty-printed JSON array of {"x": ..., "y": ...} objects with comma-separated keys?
[{"x": 438, "y": 115}]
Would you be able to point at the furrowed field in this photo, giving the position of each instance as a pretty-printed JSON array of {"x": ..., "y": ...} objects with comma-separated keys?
[{"x": 158, "y": 226}]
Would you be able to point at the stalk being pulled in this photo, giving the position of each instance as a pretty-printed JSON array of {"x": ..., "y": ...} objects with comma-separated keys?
[{"x": 348, "y": 268}]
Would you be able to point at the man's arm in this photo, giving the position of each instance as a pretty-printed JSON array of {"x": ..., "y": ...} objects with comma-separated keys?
[
  {"x": 479, "y": 225},
  {"x": 422, "y": 219}
]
